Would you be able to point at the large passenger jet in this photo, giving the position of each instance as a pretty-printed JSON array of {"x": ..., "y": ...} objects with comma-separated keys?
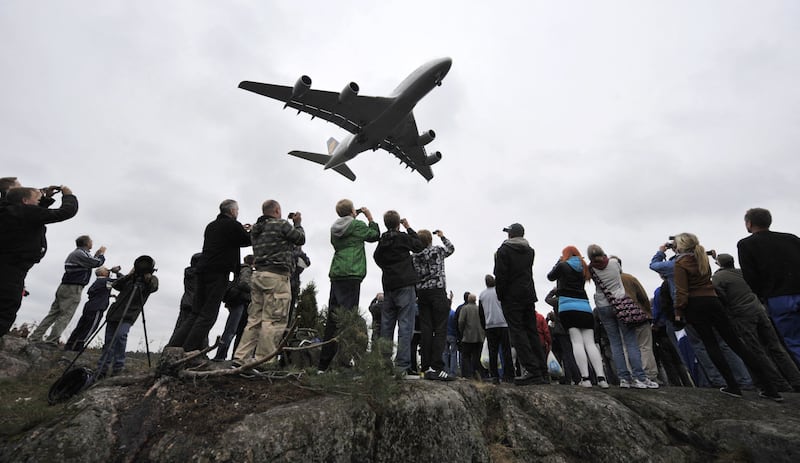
[{"x": 373, "y": 122}]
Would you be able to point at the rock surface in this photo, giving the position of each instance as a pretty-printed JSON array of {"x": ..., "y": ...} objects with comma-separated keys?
[{"x": 238, "y": 420}]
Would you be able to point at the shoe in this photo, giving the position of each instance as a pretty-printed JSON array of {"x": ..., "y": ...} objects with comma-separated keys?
[
  {"x": 731, "y": 391},
  {"x": 529, "y": 379},
  {"x": 409, "y": 375},
  {"x": 494, "y": 380},
  {"x": 442, "y": 375},
  {"x": 637, "y": 384},
  {"x": 650, "y": 384},
  {"x": 585, "y": 383},
  {"x": 776, "y": 396},
  {"x": 602, "y": 382},
  {"x": 624, "y": 383},
  {"x": 320, "y": 372}
]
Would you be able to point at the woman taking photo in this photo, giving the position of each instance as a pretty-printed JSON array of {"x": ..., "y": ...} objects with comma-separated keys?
[
  {"x": 608, "y": 280},
  {"x": 697, "y": 302},
  {"x": 575, "y": 313}
]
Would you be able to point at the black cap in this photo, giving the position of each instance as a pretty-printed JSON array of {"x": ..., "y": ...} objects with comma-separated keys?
[{"x": 515, "y": 229}]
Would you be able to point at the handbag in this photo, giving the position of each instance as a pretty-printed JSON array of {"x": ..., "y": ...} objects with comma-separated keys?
[{"x": 627, "y": 310}]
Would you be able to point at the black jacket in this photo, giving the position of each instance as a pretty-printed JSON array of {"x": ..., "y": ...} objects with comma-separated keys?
[
  {"x": 129, "y": 292},
  {"x": 223, "y": 238},
  {"x": 513, "y": 272},
  {"x": 22, "y": 229},
  {"x": 770, "y": 262},
  {"x": 569, "y": 282},
  {"x": 393, "y": 256}
]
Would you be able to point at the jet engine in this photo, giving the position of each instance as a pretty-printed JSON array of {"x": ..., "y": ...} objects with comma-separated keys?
[
  {"x": 433, "y": 158},
  {"x": 426, "y": 137},
  {"x": 301, "y": 87},
  {"x": 349, "y": 92}
]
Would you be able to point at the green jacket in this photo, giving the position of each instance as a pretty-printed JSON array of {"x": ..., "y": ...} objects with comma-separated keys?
[{"x": 347, "y": 237}]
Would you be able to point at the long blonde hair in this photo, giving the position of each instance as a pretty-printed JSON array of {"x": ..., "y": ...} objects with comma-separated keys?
[{"x": 688, "y": 243}]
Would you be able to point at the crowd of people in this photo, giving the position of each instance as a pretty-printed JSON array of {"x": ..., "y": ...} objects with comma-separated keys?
[{"x": 733, "y": 329}]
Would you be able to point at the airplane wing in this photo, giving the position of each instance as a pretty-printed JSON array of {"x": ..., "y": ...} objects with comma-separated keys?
[
  {"x": 351, "y": 115},
  {"x": 403, "y": 143}
]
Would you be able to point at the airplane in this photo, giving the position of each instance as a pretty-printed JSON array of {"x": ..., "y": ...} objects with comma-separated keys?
[{"x": 373, "y": 122}]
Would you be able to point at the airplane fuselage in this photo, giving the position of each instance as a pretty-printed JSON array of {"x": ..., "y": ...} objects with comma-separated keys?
[{"x": 405, "y": 97}]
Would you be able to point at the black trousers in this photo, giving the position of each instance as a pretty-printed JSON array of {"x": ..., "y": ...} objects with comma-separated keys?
[
  {"x": 434, "y": 309},
  {"x": 12, "y": 284},
  {"x": 521, "y": 320},
  {"x": 759, "y": 335},
  {"x": 192, "y": 334},
  {"x": 345, "y": 295},
  {"x": 706, "y": 313},
  {"x": 88, "y": 322}
]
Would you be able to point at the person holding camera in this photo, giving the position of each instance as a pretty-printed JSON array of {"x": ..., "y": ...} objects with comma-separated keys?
[
  {"x": 348, "y": 268},
  {"x": 696, "y": 300},
  {"x": 99, "y": 297},
  {"x": 77, "y": 272},
  {"x": 134, "y": 290},
  {"x": 23, "y": 242},
  {"x": 274, "y": 240},
  {"x": 220, "y": 257}
]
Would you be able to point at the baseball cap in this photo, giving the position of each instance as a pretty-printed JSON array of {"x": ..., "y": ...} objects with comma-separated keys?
[{"x": 515, "y": 229}]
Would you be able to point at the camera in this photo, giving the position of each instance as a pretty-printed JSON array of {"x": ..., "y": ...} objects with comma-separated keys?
[
  {"x": 711, "y": 253},
  {"x": 359, "y": 211},
  {"x": 291, "y": 215},
  {"x": 670, "y": 244}
]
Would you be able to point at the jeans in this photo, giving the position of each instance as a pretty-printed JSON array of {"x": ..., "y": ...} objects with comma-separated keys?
[
  {"x": 450, "y": 355},
  {"x": 398, "y": 310},
  {"x": 707, "y": 365},
  {"x": 785, "y": 312},
  {"x": 499, "y": 343},
  {"x": 114, "y": 354},
  {"x": 618, "y": 333},
  {"x": 231, "y": 326},
  {"x": 345, "y": 295}
]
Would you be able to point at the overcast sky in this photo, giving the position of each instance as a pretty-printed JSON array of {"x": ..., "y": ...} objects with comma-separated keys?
[{"x": 616, "y": 123}]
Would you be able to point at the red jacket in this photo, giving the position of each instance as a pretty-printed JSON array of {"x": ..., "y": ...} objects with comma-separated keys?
[{"x": 544, "y": 332}]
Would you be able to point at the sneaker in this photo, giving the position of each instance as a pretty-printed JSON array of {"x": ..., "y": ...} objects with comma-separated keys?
[
  {"x": 585, "y": 383},
  {"x": 650, "y": 384},
  {"x": 441, "y": 375},
  {"x": 638, "y": 384},
  {"x": 603, "y": 384},
  {"x": 731, "y": 391},
  {"x": 776, "y": 396},
  {"x": 409, "y": 375},
  {"x": 624, "y": 383}
]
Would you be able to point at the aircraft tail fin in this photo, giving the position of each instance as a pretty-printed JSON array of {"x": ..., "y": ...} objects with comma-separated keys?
[
  {"x": 332, "y": 144},
  {"x": 323, "y": 159}
]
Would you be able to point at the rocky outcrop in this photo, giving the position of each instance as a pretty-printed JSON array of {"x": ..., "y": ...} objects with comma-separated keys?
[{"x": 427, "y": 421}]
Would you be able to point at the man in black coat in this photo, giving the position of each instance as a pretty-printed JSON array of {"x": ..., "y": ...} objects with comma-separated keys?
[
  {"x": 223, "y": 238},
  {"x": 23, "y": 242},
  {"x": 770, "y": 264},
  {"x": 513, "y": 271}
]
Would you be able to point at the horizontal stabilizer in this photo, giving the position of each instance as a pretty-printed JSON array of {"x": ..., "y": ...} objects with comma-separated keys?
[{"x": 323, "y": 159}]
